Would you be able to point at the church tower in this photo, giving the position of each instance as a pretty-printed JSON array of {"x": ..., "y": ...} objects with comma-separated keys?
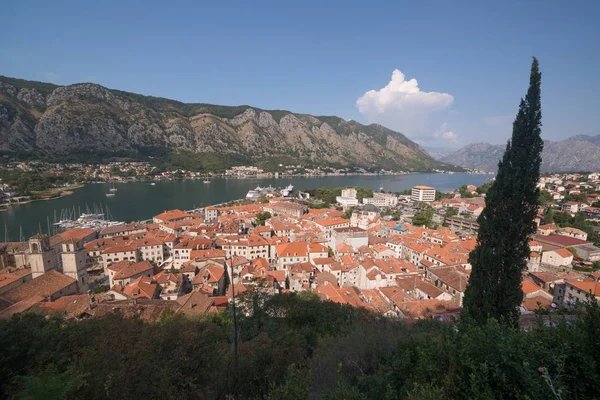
[
  {"x": 40, "y": 255},
  {"x": 73, "y": 263}
]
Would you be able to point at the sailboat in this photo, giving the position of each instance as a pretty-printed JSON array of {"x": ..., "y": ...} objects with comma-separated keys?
[{"x": 113, "y": 188}]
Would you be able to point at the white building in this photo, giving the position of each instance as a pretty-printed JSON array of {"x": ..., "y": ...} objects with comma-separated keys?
[
  {"x": 557, "y": 258},
  {"x": 423, "y": 193},
  {"x": 348, "y": 198},
  {"x": 349, "y": 192},
  {"x": 382, "y": 200}
]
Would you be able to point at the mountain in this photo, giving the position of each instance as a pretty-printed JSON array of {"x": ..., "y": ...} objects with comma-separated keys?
[
  {"x": 577, "y": 153},
  {"x": 482, "y": 156},
  {"x": 43, "y": 119},
  {"x": 438, "y": 152}
]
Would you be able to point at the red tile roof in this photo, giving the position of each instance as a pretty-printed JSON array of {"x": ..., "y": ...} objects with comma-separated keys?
[
  {"x": 44, "y": 285},
  {"x": 172, "y": 215},
  {"x": 77, "y": 233},
  {"x": 129, "y": 270}
]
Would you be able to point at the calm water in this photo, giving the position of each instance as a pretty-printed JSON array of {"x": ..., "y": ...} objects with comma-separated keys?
[{"x": 139, "y": 200}]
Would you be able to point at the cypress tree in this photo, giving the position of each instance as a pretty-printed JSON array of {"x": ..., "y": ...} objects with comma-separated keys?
[{"x": 507, "y": 221}]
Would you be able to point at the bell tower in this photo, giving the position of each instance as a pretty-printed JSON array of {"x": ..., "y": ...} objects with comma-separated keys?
[
  {"x": 40, "y": 255},
  {"x": 73, "y": 263}
]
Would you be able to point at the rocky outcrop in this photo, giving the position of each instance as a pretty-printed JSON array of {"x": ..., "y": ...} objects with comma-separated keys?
[
  {"x": 66, "y": 119},
  {"x": 31, "y": 97},
  {"x": 8, "y": 89},
  {"x": 86, "y": 92}
]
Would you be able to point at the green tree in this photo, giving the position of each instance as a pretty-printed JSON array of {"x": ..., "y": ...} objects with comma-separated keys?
[
  {"x": 545, "y": 197},
  {"x": 483, "y": 189},
  {"x": 549, "y": 215},
  {"x": 580, "y": 197},
  {"x": 261, "y": 218},
  {"x": 423, "y": 218},
  {"x": 348, "y": 213},
  {"x": 451, "y": 212},
  {"x": 464, "y": 193},
  {"x": 507, "y": 221}
]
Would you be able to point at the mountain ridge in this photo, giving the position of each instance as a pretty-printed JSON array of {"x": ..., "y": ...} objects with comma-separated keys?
[
  {"x": 576, "y": 153},
  {"x": 38, "y": 117}
]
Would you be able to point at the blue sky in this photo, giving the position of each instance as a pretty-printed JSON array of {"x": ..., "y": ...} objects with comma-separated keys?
[{"x": 471, "y": 60}]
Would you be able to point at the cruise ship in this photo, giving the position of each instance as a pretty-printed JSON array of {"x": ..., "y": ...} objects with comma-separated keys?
[
  {"x": 256, "y": 193},
  {"x": 287, "y": 191}
]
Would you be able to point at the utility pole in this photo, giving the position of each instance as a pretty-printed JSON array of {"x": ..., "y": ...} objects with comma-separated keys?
[{"x": 235, "y": 334}]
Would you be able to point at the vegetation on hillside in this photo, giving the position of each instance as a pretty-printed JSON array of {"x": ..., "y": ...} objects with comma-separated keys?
[
  {"x": 579, "y": 221},
  {"x": 296, "y": 347},
  {"x": 27, "y": 183},
  {"x": 44, "y": 88}
]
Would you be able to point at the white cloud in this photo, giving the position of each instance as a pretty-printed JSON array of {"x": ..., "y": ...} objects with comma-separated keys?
[
  {"x": 402, "y": 105},
  {"x": 445, "y": 134},
  {"x": 51, "y": 77}
]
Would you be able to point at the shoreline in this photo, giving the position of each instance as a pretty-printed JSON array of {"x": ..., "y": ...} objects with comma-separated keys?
[
  {"x": 64, "y": 193},
  {"x": 272, "y": 176}
]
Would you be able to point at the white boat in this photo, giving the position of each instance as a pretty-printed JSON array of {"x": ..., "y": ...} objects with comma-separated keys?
[
  {"x": 206, "y": 181},
  {"x": 110, "y": 194},
  {"x": 113, "y": 188},
  {"x": 253, "y": 194},
  {"x": 287, "y": 191},
  {"x": 152, "y": 183},
  {"x": 90, "y": 216},
  {"x": 95, "y": 221}
]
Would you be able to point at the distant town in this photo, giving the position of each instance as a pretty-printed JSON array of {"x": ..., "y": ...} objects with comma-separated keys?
[
  {"x": 25, "y": 181},
  {"x": 404, "y": 255}
]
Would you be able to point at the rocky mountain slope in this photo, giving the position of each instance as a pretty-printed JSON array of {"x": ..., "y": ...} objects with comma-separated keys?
[
  {"x": 43, "y": 118},
  {"x": 577, "y": 153}
]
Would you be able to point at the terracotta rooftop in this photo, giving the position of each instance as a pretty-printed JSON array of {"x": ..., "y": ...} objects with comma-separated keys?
[
  {"x": 124, "y": 271},
  {"x": 45, "y": 285},
  {"x": 77, "y": 233},
  {"x": 72, "y": 306},
  {"x": 10, "y": 275},
  {"x": 172, "y": 215},
  {"x": 121, "y": 228},
  {"x": 195, "y": 303}
]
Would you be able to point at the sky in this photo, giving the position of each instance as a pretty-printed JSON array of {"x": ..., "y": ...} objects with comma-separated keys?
[{"x": 444, "y": 73}]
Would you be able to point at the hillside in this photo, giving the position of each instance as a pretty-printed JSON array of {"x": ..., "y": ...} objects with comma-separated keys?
[
  {"x": 43, "y": 119},
  {"x": 577, "y": 153},
  {"x": 293, "y": 347}
]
